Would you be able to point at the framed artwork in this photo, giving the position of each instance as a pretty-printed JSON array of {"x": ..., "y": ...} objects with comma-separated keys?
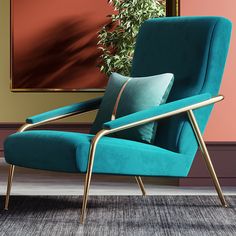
[{"x": 54, "y": 44}]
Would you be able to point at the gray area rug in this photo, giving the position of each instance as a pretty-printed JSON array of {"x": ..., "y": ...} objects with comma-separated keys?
[{"x": 118, "y": 215}]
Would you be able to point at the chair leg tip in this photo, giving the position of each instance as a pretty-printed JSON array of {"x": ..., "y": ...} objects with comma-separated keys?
[
  {"x": 82, "y": 218},
  {"x": 81, "y": 221},
  {"x": 6, "y": 208},
  {"x": 226, "y": 205}
]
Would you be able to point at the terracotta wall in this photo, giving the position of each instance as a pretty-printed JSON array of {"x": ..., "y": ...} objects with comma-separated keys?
[
  {"x": 222, "y": 125},
  {"x": 14, "y": 107}
]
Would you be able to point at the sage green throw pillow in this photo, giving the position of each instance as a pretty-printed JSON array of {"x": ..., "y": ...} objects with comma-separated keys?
[{"x": 131, "y": 95}]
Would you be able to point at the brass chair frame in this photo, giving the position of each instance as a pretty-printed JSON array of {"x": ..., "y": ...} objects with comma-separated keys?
[{"x": 99, "y": 135}]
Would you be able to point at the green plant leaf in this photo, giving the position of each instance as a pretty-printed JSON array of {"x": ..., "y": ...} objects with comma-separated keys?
[{"x": 117, "y": 45}]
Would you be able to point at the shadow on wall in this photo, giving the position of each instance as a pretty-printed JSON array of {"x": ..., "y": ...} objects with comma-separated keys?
[{"x": 65, "y": 56}]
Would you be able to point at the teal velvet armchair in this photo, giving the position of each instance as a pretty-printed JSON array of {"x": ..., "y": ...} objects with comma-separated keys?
[{"x": 194, "y": 49}]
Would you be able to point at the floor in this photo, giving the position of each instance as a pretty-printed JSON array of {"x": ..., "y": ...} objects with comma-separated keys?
[{"x": 34, "y": 182}]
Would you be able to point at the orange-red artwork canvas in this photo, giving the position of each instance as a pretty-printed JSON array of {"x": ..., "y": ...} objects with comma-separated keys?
[{"x": 54, "y": 44}]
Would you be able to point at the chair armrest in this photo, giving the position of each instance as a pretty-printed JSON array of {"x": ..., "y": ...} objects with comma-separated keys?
[
  {"x": 162, "y": 111},
  {"x": 65, "y": 111}
]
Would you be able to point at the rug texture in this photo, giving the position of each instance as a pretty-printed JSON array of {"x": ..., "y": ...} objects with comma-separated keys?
[{"x": 118, "y": 215}]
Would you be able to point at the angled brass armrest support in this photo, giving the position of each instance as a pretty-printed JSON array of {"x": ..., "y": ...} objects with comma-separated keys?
[
  {"x": 61, "y": 113},
  {"x": 27, "y": 126},
  {"x": 173, "y": 112},
  {"x": 206, "y": 156},
  {"x": 65, "y": 111},
  {"x": 187, "y": 109}
]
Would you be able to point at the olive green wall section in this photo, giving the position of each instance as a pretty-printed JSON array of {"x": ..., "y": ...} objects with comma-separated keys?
[{"x": 14, "y": 107}]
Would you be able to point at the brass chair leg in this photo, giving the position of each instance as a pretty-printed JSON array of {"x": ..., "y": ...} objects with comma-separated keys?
[
  {"x": 206, "y": 157},
  {"x": 89, "y": 173},
  {"x": 11, "y": 170},
  {"x": 9, "y": 184},
  {"x": 86, "y": 190},
  {"x": 140, "y": 184}
]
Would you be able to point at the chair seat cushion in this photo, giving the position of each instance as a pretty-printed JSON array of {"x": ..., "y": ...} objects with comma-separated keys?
[{"x": 68, "y": 152}]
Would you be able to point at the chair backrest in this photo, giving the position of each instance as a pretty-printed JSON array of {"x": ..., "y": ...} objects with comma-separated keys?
[{"x": 194, "y": 49}]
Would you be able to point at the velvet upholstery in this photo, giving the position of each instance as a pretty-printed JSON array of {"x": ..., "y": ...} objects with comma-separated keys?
[
  {"x": 194, "y": 49},
  {"x": 155, "y": 111},
  {"x": 137, "y": 95},
  {"x": 77, "y": 107},
  {"x": 68, "y": 152}
]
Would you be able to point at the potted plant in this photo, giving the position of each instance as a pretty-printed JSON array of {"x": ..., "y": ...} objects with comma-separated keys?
[{"x": 117, "y": 38}]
